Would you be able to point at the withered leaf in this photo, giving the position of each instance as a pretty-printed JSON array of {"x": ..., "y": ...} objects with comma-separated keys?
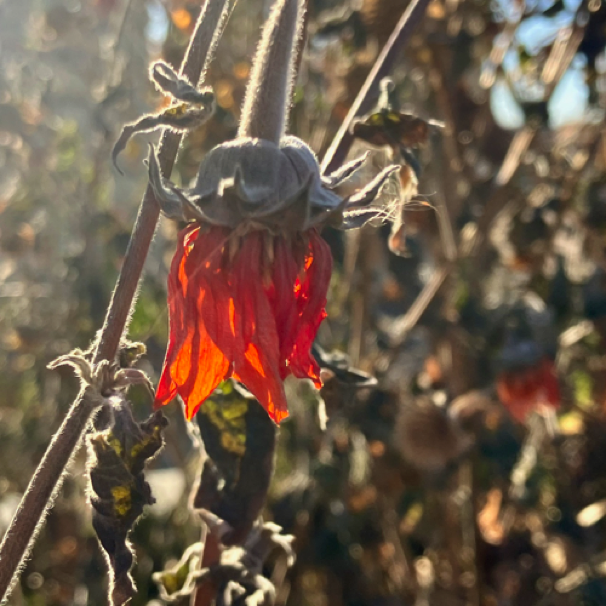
[
  {"x": 238, "y": 573},
  {"x": 239, "y": 439},
  {"x": 392, "y": 129},
  {"x": 119, "y": 490}
]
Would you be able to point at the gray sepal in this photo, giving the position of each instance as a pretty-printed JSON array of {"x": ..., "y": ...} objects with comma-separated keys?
[
  {"x": 173, "y": 203},
  {"x": 371, "y": 191},
  {"x": 345, "y": 172}
]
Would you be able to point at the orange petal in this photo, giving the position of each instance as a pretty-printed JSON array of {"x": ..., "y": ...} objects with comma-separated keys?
[
  {"x": 256, "y": 354},
  {"x": 283, "y": 299},
  {"x": 311, "y": 303},
  {"x": 200, "y": 339}
]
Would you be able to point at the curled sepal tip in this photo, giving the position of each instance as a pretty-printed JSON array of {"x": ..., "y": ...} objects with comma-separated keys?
[
  {"x": 345, "y": 172},
  {"x": 367, "y": 194},
  {"x": 173, "y": 202},
  {"x": 189, "y": 109}
]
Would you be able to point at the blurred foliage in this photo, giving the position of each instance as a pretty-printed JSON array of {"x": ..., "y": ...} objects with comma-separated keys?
[{"x": 420, "y": 488}]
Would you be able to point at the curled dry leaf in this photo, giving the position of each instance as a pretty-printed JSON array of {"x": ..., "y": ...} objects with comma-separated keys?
[
  {"x": 119, "y": 492},
  {"x": 190, "y": 108},
  {"x": 238, "y": 575}
]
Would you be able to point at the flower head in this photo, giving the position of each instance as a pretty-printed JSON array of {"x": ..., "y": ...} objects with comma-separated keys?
[
  {"x": 252, "y": 316},
  {"x": 527, "y": 381},
  {"x": 528, "y": 389},
  {"x": 247, "y": 286}
]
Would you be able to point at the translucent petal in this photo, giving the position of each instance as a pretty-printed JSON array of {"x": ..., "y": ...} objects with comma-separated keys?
[{"x": 200, "y": 342}]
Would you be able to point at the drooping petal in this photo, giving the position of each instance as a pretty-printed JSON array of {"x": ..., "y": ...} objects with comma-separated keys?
[
  {"x": 178, "y": 330},
  {"x": 310, "y": 291},
  {"x": 283, "y": 298},
  {"x": 533, "y": 388},
  {"x": 253, "y": 317},
  {"x": 200, "y": 341},
  {"x": 256, "y": 353}
]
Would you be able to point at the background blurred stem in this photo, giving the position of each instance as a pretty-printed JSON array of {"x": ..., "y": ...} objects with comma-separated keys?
[
  {"x": 365, "y": 99},
  {"x": 47, "y": 478}
]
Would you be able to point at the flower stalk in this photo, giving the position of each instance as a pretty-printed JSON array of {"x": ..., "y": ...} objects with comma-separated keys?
[{"x": 268, "y": 95}]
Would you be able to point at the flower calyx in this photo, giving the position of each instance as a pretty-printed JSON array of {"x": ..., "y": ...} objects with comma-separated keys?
[{"x": 267, "y": 186}]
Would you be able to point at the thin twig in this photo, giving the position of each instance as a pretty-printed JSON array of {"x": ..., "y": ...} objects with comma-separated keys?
[
  {"x": 403, "y": 325},
  {"x": 556, "y": 66},
  {"x": 518, "y": 147},
  {"x": 468, "y": 527},
  {"x": 47, "y": 479},
  {"x": 339, "y": 148},
  {"x": 111, "y": 70},
  {"x": 336, "y": 153}
]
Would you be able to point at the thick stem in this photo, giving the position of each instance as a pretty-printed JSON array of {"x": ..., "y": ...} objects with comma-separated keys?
[
  {"x": 41, "y": 491},
  {"x": 342, "y": 141},
  {"x": 269, "y": 90},
  {"x": 47, "y": 479}
]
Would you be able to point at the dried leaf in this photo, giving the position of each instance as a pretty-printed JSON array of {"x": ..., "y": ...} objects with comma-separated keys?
[
  {"x": 119, "y": 490},
  {"x": 237, "y": 575},
  {"x": 240, "y": 439}
]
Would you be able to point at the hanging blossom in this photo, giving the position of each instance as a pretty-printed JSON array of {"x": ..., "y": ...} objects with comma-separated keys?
[
  {"x": 528, "y": 389},
  {"x": 248, "y": 283},
  {"x": 528, "y": 381}
]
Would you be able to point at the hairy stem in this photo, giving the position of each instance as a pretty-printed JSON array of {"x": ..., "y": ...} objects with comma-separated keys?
[
  {"x": 342, "y": 141},
  {"x": 269, "y": 91},
  {"x": 47, "y": 479},
  {"x": 205, "y": 594},
  {"x": 41, "y": 492}
]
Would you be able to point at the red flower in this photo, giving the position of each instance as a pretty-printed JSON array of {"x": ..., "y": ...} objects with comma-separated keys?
[
  {"x": 527, "y": 389},
  {"x": 247, "y": 287},
  {"x": 244, "y": 307}
]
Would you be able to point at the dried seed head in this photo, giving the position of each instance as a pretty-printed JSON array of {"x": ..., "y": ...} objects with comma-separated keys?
[
  {"x": 269, "y": 90},
  {"x": 427, "y": 437}
]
